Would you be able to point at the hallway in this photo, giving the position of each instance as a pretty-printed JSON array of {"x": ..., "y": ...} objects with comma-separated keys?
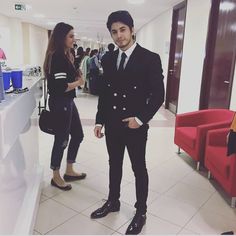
[{"x": 181, "y": 200}]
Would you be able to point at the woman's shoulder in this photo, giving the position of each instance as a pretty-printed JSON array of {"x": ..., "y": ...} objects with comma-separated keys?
[{"x": 58, "y": 55}]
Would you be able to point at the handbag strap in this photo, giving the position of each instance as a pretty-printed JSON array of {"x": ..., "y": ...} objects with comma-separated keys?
[{"x": 45, "y": 94}]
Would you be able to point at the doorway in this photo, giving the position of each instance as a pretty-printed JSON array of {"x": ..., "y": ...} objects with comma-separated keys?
[
  {"x": 219, "y": 62},
  {"x": 175, "y": 56}
]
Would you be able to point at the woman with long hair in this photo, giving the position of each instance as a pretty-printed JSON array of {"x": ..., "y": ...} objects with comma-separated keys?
[{"x": 62, "y": 79}]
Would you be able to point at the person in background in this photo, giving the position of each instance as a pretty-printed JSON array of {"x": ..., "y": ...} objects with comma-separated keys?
[
  {"x": 79, "y": 57},
  {"x": 85, "y": 70},
  {"x": 105, "y": 57},
  {"x": 94, "y": 72},
  {"x": 132, "y": 92},
  {"x": 73, "y": 50},
  {"x": 62, "y": 79}
]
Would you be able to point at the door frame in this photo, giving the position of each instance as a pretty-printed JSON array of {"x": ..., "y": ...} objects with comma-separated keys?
[
  {"x": 173, "y": 40},
  {"x": 209, "y": 57}
]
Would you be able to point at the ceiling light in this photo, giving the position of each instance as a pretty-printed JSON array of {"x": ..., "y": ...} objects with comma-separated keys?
[
  {"x": 136, "y": 1},
  {"x": 39, "y": 16},
  {"x": 28, "y": 7},
  {"x": 227, "y": 6},
  {"x": 181, "y": 23}
]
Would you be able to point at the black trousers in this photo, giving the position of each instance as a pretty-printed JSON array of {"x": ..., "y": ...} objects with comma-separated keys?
[
  {"x": 135, "y": 142},
  {"x": 67, "y": 122}
]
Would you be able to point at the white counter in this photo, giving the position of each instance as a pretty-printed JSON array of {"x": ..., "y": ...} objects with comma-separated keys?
[{"x": 20, "y": 172}]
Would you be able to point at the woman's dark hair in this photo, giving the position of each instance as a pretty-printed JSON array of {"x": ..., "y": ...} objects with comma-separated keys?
[
  {"x": 80, "y": 51},
  {"x": 57, "y": 44},
  {"x": 93, "y": 52},
  {"x": 87, "y": 51},
  {"x": 120, "y": 16}
]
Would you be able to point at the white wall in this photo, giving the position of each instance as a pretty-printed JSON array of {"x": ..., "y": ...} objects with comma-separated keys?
[
  {"x": 233, "y": 93},
  {"x": 23, "y": 43},
  {"x": 155, "y": 36},
  {"x": 38, "y": 39},
  {"x": 12, "y": 42},
  {"x": 193, "y": 54}
]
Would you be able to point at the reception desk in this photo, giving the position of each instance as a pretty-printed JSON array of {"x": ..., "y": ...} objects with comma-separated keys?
[{"x": 20, "y": 172}]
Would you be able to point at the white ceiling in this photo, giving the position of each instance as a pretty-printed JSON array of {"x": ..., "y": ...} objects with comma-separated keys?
[{"x": 88, "y": 17}]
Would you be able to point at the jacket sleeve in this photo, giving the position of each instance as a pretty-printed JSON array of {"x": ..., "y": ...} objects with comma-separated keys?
[
  {"x": 100, "y": 116},
  {"x": 156, "y": 87},
  {"x": 59, "y": 72}
]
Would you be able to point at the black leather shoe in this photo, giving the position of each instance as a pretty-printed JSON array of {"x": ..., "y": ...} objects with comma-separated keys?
[
  {"x": 105, "y": 209},
  {"x": 136, "y": 224},
  {"x": 228, "y": 233},
  {"x": 70, "y": 178},
  {"x": 65, "y": 188}
]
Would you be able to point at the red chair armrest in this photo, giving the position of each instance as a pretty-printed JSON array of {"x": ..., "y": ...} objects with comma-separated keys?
[
  {"x": 217, "y": 137},
  {"x": 189, "y": 119}
]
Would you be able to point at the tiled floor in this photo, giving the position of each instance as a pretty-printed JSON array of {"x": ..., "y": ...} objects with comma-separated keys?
[{"x": 181, "y": 200}]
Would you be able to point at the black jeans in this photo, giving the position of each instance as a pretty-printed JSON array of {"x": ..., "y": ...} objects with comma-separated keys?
[
  {"x": 135, "y": 142},
  {"x": 67, "y": 122}
]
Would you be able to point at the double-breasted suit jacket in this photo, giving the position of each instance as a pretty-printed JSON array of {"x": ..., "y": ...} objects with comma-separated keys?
[{"x": 136, "y": 92}]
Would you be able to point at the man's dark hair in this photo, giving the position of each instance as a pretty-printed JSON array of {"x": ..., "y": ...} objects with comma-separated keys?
[
  {"x": 111, "y": 47},
  {"x": 120, "y": 16}
]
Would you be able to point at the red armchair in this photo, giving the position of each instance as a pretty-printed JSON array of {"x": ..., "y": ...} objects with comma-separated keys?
[
  {"x": 220, "y": 166},
  {"x": 191, "y": 129}
]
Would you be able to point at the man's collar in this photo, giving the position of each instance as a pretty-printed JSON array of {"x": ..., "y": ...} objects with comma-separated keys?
[{"x": 129, "y": 51}]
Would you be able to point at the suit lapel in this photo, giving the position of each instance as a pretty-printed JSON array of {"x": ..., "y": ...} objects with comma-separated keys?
[
  {"x": 114, "y": 60},
  {"x": 132, "y": 62}
]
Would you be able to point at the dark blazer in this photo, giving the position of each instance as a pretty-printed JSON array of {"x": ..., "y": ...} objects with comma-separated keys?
[{"x": 136, "y": 92}]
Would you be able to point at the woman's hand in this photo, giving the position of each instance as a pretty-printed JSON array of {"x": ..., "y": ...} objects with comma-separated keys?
[
  {"x": 79, "y": 73},
  {"x": 80, "y": 81}
]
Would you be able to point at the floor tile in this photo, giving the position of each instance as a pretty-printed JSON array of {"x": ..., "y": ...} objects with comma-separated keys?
[
  {"x": 186, "y": 193},
  {"x": 81, "y": 225},
  {"x": 50, "y": 215},
  {"x": 172, "y": 210},
  {"x": 79, "y": 198},
  {"x": 217, "y": 204},
  {"x": 206, "y": 222},
  {"x": 199, "y": 180}
]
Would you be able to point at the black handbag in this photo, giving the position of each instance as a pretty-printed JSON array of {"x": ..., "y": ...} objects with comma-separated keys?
[
  {"x": 46, "y": 120},
  {"x": 231, "y": 146}
]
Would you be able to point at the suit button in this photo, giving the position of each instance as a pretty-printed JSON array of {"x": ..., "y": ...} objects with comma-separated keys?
[
  {"x": 124, "y": 96},
  {"x": 115, "y": 94},
  {"x": 135, "y": 87},
  {"x": 109, "y": 85},
  {"x": 114, "y": 107},
  {"x": 124, "y": 108}
]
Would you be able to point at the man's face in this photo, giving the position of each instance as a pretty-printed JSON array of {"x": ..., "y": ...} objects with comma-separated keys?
[{"x": 122, "y": 35}]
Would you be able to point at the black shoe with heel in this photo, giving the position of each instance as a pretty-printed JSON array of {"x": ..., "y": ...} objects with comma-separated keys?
[{"x": 108, "y": 207}]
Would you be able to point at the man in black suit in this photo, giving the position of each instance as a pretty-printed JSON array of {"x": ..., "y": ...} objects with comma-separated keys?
[{"x": 131, "y": 94}]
